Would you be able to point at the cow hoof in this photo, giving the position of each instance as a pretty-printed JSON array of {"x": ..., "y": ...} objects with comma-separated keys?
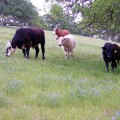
[
  {"x": 7, "y": 55},
  {"x": 27, "y": 57},
  {"x": 43, "y": 58}
]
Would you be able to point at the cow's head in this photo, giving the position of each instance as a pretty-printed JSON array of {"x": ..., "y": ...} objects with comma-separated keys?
[
  {"x": 60, "y": 39},
  {"x": 54, "y": 31},
  {"x": 10, "y": 48},
  {"x": 110, "y": 50}
]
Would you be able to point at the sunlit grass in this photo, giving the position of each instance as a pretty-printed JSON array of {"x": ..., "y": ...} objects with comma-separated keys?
[{"x": 58, "y": 89}]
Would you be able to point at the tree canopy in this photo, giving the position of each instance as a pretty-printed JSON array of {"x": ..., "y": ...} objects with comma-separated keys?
[
  {"x": 101, "y": 17},
  {"x": 22, "y": 9},
  {"x": 98, "y": 17}
]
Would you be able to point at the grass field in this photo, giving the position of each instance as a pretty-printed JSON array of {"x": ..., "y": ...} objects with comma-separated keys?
[{"x": 58, "y": 89}]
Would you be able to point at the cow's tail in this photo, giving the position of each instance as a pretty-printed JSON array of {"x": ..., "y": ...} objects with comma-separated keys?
[
  {"x": 43, "y": 44},
  {"x": 43, "y": 38}
]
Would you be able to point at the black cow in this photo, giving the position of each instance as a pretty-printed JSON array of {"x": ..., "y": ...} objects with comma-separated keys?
[
  {"x": 25, "y": 38},
  {"x": 111, "y": 53}
]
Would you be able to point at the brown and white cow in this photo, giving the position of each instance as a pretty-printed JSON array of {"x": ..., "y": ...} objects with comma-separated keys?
[
  {"x": 68, "y": 43},
  {"x": 25, "y": 38},
  {"x": 60, "y": 32}
]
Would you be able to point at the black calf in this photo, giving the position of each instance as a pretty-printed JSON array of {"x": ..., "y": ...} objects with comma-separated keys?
[{"x": 111, "y": 54}]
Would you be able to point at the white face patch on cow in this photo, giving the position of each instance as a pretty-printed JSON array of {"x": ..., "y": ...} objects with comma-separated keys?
[
  {"x": 8, "y": 44},
  {"x": 12, "y": 50},
  {"x": 60, "y": 40},
  {"x": 9, "y": 49},
  {"x": 54, "y": 31}
]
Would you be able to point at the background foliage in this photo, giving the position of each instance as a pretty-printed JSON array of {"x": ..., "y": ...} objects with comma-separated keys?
[
  {"x": 98, "y": 17},
  {"x": 19, "y": 9}
]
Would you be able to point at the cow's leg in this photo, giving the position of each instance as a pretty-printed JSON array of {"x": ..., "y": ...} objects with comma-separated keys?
[
  {"x": 69, "y": 54},
  {"x": 63, "y": 50},
  {"x": 27, "y": 52},
  {"x": 37, "y": 51},
  {"x": 23, "y": 50},
  {"x": 43, "y": 51},
  {"x": 118, "y": 62},
  {"x": 105, "y": 60},
  {"x": 66, "y": 54},
  {"x": 114, "y": 65},
  {"x": 106, "y": 63}
]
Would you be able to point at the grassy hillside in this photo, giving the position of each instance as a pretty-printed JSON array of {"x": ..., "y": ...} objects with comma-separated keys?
[{"x": 58, "y": 89}]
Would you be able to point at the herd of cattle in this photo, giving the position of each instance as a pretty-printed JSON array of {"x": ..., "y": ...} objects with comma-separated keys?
[{"x": 25, "y": 38}]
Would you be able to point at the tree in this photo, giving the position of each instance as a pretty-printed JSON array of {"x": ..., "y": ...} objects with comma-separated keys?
[
  {"x": 22, "y": 9},
  {"x": 70, "y": 12},
  {"x": 58, "y": 17},
  {"x": 100, "y": 17},
  {"x": 103, "y": 17}
]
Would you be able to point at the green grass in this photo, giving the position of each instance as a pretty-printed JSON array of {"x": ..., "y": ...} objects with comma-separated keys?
[{"x": 58, "y": 89}]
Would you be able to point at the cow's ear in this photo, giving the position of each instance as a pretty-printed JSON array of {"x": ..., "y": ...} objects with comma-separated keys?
[
  {"x": 115, "y": 51},
  {"x": 104, "y": 48}
]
